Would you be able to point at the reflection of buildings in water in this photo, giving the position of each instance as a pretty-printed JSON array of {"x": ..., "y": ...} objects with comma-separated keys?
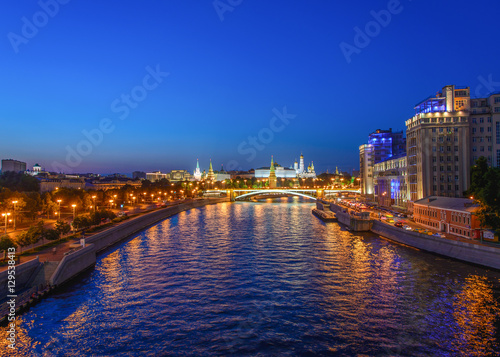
[{"x": 475, "y": 311}]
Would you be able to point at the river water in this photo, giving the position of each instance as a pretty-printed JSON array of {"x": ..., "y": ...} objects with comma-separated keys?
[{"x": 266, "y": 278}]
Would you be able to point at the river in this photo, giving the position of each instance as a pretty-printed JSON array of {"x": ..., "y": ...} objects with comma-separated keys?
[{"x": 266, "y": 278}]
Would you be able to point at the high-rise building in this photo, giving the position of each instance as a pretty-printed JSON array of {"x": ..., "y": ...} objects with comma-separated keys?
[
  {"x": 386, "y": 144},
  {"x": 13, "y": 165},
  {"x": 438, "y": 136},
  {"x": 485, "y": 129},
  {"x": 366, "y": 169},
  {"x": 382, "y": 145}
]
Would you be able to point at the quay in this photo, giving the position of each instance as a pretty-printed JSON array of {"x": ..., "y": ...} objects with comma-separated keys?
[{"x": 470, "y": 252}]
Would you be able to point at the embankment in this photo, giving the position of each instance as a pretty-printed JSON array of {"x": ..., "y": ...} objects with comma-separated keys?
[
  {"x": 467, "y": 252},
  {"x": 487, "y": 256}
]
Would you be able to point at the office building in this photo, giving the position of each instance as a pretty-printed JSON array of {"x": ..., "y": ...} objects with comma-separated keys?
[{"x": 438, "y": 154}]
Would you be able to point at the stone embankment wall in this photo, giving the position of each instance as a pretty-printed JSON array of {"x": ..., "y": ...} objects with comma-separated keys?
[
  {"x": 468, "y": 252},
  {"x": 23, "y": 274}
]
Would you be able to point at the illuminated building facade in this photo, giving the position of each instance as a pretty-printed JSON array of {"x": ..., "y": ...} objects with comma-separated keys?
[
  {"x": 390, "y": 178},
  {"x": 438, "y": 145}
]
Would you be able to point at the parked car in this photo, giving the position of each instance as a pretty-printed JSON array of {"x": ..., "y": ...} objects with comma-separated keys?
[
  {"x": 398, "y": 224},
  {"x": 408, "y": 228},
  {"x": 440, "y": 235}
]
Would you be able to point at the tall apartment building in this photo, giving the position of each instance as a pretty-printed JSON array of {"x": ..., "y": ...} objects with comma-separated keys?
[
  {"x": 13, "y": 165},
  {"x": 485, "y": 129},
  {"x": 366, "y": 169},
  {"x": 438, "y": 142},
  {"x": 382, "y": 145}
]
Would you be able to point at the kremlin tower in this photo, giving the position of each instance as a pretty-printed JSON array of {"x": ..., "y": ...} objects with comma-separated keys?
[{"x": 272, "y": 175}]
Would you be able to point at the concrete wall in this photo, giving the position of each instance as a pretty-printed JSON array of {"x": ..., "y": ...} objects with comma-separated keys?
[
  {"x": 23, "y": 273},
  {"x": 469, "y": 252},
  {"x": 73, "y": 264}
]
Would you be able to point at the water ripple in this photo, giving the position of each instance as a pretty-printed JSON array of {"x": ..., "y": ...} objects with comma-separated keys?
[{"x": 266, "y": 279}]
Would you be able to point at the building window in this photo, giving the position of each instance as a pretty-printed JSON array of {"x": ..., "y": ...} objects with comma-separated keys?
[
  {"x": 474, "y": 139},
  {"x": 497, "y": 124},
  {"x": 473, "y": 130},
  {"x": 489, "y": 129},
  {"x": 457, "y": 188},
  {"x": 481, "y": 120},
  {"x": 474, "y": 121},
  {"x": 474, "y": 149},
  {"x": 498, "y": 158},
  {"x": 489, "y": 148},
  {"x": 481, "y": 130},
  {"x": 456, "y": 139},
  {"x": 481, "y": 148},
  {"x": 488, "y": 139},
  {"x": 497, "y": 109},
  {"x": 489, "y": 119}
]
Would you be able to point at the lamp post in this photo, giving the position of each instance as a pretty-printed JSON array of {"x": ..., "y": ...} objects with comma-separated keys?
[
  {"x": 74, "y": 209},
  {"x": 15, "y": 203},
  {"x": 110, "y": 204},
  {"x": 93, "y": 199},
  {"x": 6, "y": 215}
]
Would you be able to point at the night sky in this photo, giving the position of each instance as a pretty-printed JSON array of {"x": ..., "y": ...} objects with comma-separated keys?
[{"x": 158, "y": 84}]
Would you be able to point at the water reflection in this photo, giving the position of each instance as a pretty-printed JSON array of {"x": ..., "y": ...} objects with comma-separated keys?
[{"x": 267, "y": 278}]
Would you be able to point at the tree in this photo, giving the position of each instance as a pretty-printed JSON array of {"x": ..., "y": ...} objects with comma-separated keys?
[
  {"x": 81, "y": 222},
  {"x": 485, "y": 189},
  {"x": 51, "y": 234},
  {"x": 48, "y": 205},
  {"x": 6, "y": 242},
  {"x": 62, "y": 228}
]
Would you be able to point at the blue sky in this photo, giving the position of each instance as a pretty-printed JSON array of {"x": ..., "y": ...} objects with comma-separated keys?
[{"x": 230, "y": 72}]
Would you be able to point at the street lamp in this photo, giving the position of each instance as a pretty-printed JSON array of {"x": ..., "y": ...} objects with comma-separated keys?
[
  {"x": 6, "y": 215},
  {"x": 15, "y": 203},
  {"x": 93, "y": 198},
  {"x": 74, "y": 208}
]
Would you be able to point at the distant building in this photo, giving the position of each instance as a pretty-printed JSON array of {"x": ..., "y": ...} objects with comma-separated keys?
[
  {"x": 55, "y": 183},
  {"x": 13, "y": 165},
  {"x": 113, "y": 182},
  {"x": 139, "y": 175},
  {"x": 197, "y": 172},
  {"x": 448, "y": 214},
  {"x": 272, "y": 175},
  {"x": 156, "y": 176},
  {"x": 179, "y": 175}
]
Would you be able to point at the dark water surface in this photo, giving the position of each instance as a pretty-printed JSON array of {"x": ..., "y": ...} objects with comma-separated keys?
[{"x": 266, "y": 278}]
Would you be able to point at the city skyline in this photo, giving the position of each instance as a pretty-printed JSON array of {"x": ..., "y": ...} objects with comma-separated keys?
[{"x": 131, "y": 94}]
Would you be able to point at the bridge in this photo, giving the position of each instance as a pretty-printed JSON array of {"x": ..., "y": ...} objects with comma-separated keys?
[{"x": 244, "y": 193}]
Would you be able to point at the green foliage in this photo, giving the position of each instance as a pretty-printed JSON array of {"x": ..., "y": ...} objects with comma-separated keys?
[
  {"x": 20, "y": 182},
  {"x": 50, "y": 234},
  {"x": 6, "y": 242},
  {"x": 82, "y": 222},
  {"x": 62, "y": 228},
  {"x": 485, "y": 188}
]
